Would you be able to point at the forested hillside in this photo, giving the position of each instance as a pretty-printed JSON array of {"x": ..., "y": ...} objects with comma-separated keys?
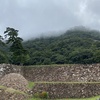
[{"x": 74, "y": 46}]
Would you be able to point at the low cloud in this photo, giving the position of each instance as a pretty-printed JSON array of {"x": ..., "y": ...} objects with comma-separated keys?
[{"x": 34, "y": 17}]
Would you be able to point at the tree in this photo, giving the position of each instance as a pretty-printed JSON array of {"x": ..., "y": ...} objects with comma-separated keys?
[
  {"x": 1, "y": 41},
  {"x": 97, "y": 56},
  {"x": 3, "y": 55},
  {"x": 19, "y": 54},
  {"x": 82, "y": 56},
  {"x": 12, "y": 34}
]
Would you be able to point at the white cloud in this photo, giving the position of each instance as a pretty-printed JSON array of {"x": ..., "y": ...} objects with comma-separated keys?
[{"x": 33, "y": 17}]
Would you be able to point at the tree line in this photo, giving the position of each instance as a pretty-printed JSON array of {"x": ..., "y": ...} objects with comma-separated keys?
[{"x": 73, "y": 47}]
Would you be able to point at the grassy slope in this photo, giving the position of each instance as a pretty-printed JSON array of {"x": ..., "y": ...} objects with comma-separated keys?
[{"x": 11, "y": 90}]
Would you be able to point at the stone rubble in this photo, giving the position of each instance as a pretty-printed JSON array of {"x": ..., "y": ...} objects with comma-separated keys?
[
  {"x": 9, "y": 68},
  {"x": 64, "y": 73},
  {"x": 15, "y": 81},
  {"x": 63, "y": 90},
  {"x": 59, "y": 73},
  {"x": 7, "y": 95}
]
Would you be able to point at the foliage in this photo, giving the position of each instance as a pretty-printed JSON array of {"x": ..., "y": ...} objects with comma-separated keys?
[
  {"x": 31, "y": 84},
  {"x": 19, "y": 54},
  {"x": 42, "y": 95},
  {"x": 74, "y": 46},
  {"x": 36, "y": 95},
  {"x": 1, "y": 42},
  {"x": 3, "y": 55},
  {"x": 92, "y": 98}
]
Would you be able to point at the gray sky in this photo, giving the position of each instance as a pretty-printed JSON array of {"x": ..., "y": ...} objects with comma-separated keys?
[{"x": 34, "y": 18}]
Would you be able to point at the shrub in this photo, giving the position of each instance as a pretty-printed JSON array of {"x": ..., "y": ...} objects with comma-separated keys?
[
  {"x": 36, "y": 95},
  {"x": 42, "y": 95}
]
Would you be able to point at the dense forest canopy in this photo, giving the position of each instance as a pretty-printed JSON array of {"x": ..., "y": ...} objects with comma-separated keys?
[
  {"x": 75, "y": 46},
  {"x": 78, "y": 45}
]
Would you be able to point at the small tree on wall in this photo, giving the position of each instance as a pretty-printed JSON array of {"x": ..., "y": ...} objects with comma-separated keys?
[{"x": 18, "y": 54}]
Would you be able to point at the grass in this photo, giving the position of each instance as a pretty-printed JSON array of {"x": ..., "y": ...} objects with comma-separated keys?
[
  {"x": 11, "y": 90},
  {"x": 92, "y": 98},
  {"x": 34, "y": 99},
  {"x": 31, "y": 84},
  {"x": 2, "y": 87},
  {"x": 52, "y": 65},
  {"x": 66, "y": 82}
]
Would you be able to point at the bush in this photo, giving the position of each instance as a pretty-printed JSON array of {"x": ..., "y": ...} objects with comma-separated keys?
[
  {"x": 42, "y": 95},
  {"x": 36, "y": 95}
]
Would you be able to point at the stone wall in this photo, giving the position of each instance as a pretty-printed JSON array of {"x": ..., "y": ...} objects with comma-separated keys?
[
  {"x": 63, "y": 73},
  {"x": 11, "y": 94},
  {"x": 60, "y": 73},
  {"x": 64, "y": 90},
  {"x": 9, "y": 68}
]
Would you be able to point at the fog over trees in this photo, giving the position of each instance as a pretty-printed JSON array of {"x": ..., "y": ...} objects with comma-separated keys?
[{"x": 77, "y": 45}]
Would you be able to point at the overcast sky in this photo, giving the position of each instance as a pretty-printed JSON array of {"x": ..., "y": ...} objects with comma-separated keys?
[{"x": 34, "y": 17}]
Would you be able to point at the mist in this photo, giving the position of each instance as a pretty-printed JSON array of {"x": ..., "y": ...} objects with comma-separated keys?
[{"x": 36, "y": 18}]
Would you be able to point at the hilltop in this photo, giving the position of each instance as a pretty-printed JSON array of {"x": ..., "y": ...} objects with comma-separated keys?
[{"x": 78, "y": 45}]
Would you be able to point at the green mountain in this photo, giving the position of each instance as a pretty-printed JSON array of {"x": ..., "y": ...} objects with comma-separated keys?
[{"x": 77, "y": 45}]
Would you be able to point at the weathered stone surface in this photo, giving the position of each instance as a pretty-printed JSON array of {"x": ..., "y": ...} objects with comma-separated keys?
[
  {"x": 59, "y": 73},
  {"x": 12, "y": 95},
  {"x": 64, "y": 73},
  {"x": 15, "y": 81},
  {"x": 63, "y": 90},
  {"x": 9, "y": 68}
]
